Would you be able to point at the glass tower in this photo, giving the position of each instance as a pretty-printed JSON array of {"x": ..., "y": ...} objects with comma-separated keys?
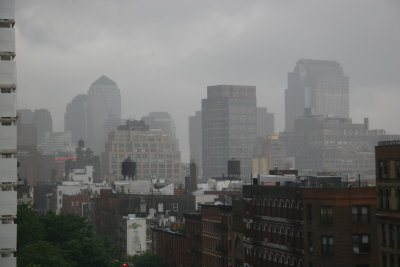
[{"x": 229, "y": 119}]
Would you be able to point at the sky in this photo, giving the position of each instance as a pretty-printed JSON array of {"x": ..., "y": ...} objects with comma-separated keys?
[{"x": 163, "y": 54}]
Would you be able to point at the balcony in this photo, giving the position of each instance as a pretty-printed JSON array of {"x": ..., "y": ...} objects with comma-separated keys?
[
  {"x": 8, "y": 262},
  {"x": 8, "y": 167},
  {"x": 8, "y": 138},
  {"x": 8, "y": 103},
  {"x": 7, "y": 73},
  {"x": 7, "y": 9},
  {"x": 8, "y": 233},
  {"x": 8, "y": 205},
  {"x": 7, "y": 40}
]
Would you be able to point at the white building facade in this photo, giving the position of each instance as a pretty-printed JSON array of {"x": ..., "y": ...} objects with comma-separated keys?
[
  {"x": 135, "y": 235},
  {"x": 8, "y": 135}
]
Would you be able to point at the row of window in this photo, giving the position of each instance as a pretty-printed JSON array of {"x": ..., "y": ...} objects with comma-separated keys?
[
  {"x": 279, "y": 203},
  {"x": 359, "y": 213},
  {"x": 389, "y": 235},
  {"x": 385, "y": 195},
  {"x": 361, "y": 243},
  {"x": 273, "y": 256},
  {"x": 274, "y": 228},
  {"x": 390, "y": 260},
  {"x": 384, "y": 168}
]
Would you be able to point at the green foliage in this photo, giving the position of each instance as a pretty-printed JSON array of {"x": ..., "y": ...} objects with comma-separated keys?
[
  {"x": 30, "y": 229},
  {"x": 147, "y": 260},
  {"x": 42, "y": 253},
  {"x": 59, "y": 240}
]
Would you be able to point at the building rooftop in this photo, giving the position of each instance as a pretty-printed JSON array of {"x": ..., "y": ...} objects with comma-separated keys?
[
  {"x": 389, "y": 143},
  {"x": 104, "y": 80}
]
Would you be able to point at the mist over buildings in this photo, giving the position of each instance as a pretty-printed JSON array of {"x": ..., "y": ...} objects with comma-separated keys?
[{"x": 167, "y": 59}]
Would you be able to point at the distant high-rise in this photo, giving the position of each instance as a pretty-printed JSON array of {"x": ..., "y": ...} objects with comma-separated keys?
[
  {"x": 75, "y": 118},
  {"x": 318, "y": 85},
  {"x": 195, "y": 141},
  {"x": 103, "y": 106},
  {"x": 25, "y": 116},
  {"x": 154, "y": 151},
  {"x": 8, "y": 135},
  {"x": 26, "y": 130},
  {"x": 43, "y": 123},
  {"x": 228, "y": 128},
  {"x": 265, "y": 123},
  {"x": 160, "y": 120}
]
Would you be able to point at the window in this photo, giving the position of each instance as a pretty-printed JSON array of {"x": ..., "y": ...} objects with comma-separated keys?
[
  {"x": 386, "y": 169},
  {"x": 398, "y": 238},
  {"x": 309, "y": 212},
  {"x": 327, "y": 244},
  {"x": 175, "y": 207},
  {"x": 383, "y": 232},
  {"x": 361, "y": 244},
  {"x": 160, "y": 207},
  {"x": 391, "y": 235},
  {"x": 310, "y": 242},
  {"x": 360, "y": 214},
  {"x": 326, "y": 214},
  {"x": 397, "y": 168}
]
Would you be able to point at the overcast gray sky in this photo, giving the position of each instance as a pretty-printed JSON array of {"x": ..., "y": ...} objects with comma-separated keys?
[{"x": 164, "y": 53}]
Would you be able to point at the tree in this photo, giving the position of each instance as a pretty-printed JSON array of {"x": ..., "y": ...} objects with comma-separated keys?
[
  {"x": 147, "y": 260},
  {"x": 42, "y": 253},
  {"x": 60, "y": 240},
  {"x": 30, "y": 229}
]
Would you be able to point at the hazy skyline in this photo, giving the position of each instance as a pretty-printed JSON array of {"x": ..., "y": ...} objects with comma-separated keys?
[{"x": 164, "y": 54}]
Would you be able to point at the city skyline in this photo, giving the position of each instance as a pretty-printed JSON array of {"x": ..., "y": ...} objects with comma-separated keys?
[{"x": 208, "y": 44}]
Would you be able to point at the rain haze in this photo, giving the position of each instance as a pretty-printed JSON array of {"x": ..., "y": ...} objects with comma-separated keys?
[{"x": 163, "y": 54}]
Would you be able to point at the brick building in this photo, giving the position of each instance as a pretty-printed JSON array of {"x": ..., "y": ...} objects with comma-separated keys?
[
  {"x": 387, "y": 158},
  {"x": 300, "y": 226},
  {"x": 75, "y": 204},
  {"x": 216, "y": 235},
  {"x": 180, "y": 248},
  {"x": 272, "y": 233},
  {"x": 237, "y": 233},
  {"x": 110, "y": 207},
  {"x": 339, "y": 228}
]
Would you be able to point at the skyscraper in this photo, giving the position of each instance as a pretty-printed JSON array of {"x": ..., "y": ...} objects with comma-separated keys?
[
  {"x": 8, "y": 135},
  {"x": 195, "y": 141},
  {"x": 265, "y": 122},
  {"x": 104, "y": 106},
  {"x": 75, "y": 118},
  {"x": 228, "y": 128},
  {"x": 318, "y": 85},
  {"x": 43, "y": 123}
]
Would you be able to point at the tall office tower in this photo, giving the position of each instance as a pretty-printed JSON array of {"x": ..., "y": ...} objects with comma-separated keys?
[
  {"x": 155, "y": 152},
  {"x": 229, "y": 126},
  {"x": 8, "y": 135},
  {"x": 319, "y": 85},
  {"x": 43, "y": 123},
  {"x": 26, "y": 130},
  {"x": 195, "y": 141},
  {"x": 75, "y": 118},
  {"x": 25, "y": 116},
  {"x": 387, "y": 161},
  {"x": 103, "y": 106},
  {"x": 265, "y": 122}
]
